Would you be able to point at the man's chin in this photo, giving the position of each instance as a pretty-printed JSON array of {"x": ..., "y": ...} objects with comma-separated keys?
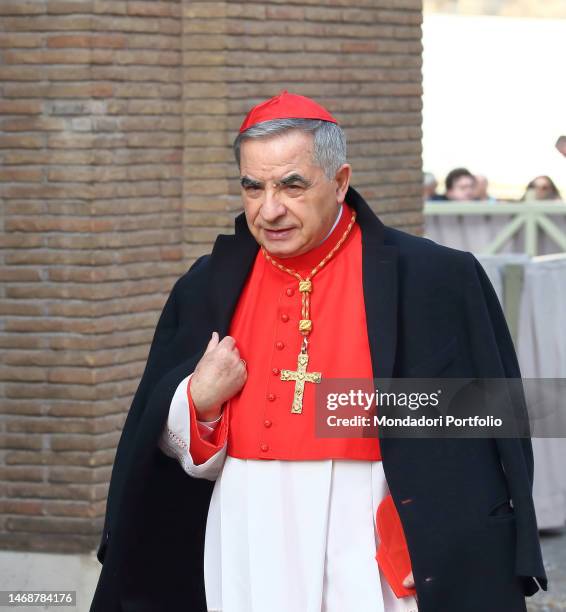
[
  {"x": 279, "y": 246},
  {"x": 282, "y": 248}
]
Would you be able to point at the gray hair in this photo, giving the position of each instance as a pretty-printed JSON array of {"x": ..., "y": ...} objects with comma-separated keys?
[
  {"x": 329, "y": 140},
  {"x": 429, "y": 179}
]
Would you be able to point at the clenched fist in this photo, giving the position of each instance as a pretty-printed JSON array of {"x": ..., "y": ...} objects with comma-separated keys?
[{"x": 218, "y": 376}]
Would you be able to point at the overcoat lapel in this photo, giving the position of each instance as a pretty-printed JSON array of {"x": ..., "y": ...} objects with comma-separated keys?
[
  {"x": 231, "y": 262},
  {"x": 233, "y": 256},
  {"x": 380, "y": 282}
]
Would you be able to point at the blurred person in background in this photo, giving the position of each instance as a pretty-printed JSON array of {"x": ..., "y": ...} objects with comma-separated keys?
[
  {"x": 541, "y": 188},
  {"x": 430, "y": 185},
  {"x": 561, "y": 145},
  {"x": 460, "y": 185},
  {"x": 481, "y": 191}
]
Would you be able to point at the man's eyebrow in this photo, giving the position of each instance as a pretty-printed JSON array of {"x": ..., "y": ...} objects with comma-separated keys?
[
  {"x": 295, "y": 178},
  {"x": 246, "y": 181}
]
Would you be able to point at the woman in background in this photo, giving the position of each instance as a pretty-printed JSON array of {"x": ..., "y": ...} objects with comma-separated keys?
[{"x": 541, "y": 188}]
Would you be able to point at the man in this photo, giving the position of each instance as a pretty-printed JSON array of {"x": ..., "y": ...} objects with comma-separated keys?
[
  {"x": 481, "y": 192},
  {"x": 223, "y": 498},
  {"x": 561, "y": 145},
  {"x": 460, "y": 185},
  {"x": 430, "y": 185}
]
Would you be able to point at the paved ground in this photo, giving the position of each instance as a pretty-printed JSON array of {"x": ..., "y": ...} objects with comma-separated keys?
[
  {"x": 80, "y": 573},
  {"x": 50, "y": 572},
  {"x": 554, "y": 554}
]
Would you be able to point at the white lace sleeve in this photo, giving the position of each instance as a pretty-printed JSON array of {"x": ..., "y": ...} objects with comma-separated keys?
[{"x": 175, "y": 437}]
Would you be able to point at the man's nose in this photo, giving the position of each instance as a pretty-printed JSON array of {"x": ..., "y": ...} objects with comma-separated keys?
[{"x": 272, "y": 207}]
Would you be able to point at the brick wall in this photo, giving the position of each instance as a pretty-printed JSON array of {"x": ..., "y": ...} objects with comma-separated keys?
[{"x": 116, "y": 120}]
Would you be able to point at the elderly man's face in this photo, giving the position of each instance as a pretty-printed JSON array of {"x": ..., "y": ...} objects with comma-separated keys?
[
  {"x": 480, "y": 191},
  {"x": 294, "y": 215}
]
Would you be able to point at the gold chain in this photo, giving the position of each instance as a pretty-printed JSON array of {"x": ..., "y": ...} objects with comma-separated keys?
[
  {"x": 305, "y": 284},
  {"x": 301, "y": 375}
]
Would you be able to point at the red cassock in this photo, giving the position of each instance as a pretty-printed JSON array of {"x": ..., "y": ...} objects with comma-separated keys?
[{"x": 257, "y": 423}]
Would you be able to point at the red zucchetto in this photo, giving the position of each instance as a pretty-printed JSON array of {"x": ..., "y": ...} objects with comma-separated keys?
[{"x": 286, "y": 105}]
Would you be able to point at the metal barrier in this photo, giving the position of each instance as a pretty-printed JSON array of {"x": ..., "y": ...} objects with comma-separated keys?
[{"x": 530, "y": 217}]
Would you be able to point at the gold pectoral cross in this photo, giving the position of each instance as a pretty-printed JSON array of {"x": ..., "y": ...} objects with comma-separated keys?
[{"x": 301, "y": 376}]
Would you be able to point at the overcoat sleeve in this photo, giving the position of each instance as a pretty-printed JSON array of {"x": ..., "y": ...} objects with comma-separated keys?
[
  {"x": 161, "y": 360},
  {"x": 494, "y": 357}
]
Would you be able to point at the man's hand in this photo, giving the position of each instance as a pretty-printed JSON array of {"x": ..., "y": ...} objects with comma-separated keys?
[{"x": 218, "y": 376}]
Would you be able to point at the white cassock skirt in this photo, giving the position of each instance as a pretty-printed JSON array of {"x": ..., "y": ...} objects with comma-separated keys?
[{"x": 286, "y": 536}]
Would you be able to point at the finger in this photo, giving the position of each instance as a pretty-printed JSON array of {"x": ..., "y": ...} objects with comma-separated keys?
[
  {"x": 228, "y": 342},
  {"x": 409, "y": 581},
  {"x": 212, "y": 343}
]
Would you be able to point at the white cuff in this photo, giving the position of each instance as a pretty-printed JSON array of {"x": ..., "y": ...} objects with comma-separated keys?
[{"x": 175, "y": 437}]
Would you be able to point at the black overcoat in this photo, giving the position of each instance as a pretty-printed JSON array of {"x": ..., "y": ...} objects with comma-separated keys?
[{"x": 431, "y": 311}]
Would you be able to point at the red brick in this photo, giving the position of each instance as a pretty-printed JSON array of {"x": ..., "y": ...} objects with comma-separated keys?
[{"x": 117, "y": 170}]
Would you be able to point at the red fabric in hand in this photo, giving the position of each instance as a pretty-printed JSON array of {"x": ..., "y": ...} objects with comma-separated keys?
[{"x": 392, "y": 553}]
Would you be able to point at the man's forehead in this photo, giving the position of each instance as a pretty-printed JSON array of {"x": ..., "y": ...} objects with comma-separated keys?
[
  {"x": 275, "y": 158},
  {"x": 268, "y": 168},
  {"x": 288, "y": 143}
]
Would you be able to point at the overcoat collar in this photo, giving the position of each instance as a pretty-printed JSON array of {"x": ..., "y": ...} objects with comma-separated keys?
[{"x": 233, "y": 256}]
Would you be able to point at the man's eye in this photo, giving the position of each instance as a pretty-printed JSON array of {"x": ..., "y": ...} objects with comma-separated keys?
[{"x": 293, "y": 188}]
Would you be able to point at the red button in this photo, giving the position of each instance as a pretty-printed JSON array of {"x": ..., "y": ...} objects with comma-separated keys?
[
  {"x": 279, "y": 346},
  {"x": 272, "y": 397},
  {"x": 267, "y": 423},
  {"x": 284, "y": 317},
  {"x": 276, "y": 371},
  {"x": 264, "y": 447},
  {"x": 290, "y": 292}
]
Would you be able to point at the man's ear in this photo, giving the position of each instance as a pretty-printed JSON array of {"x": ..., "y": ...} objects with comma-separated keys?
[{"x": 342, "y": 178}]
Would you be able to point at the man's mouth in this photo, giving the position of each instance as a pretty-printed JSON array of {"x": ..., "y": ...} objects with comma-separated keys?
[{"x": 278, "y": 234}]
